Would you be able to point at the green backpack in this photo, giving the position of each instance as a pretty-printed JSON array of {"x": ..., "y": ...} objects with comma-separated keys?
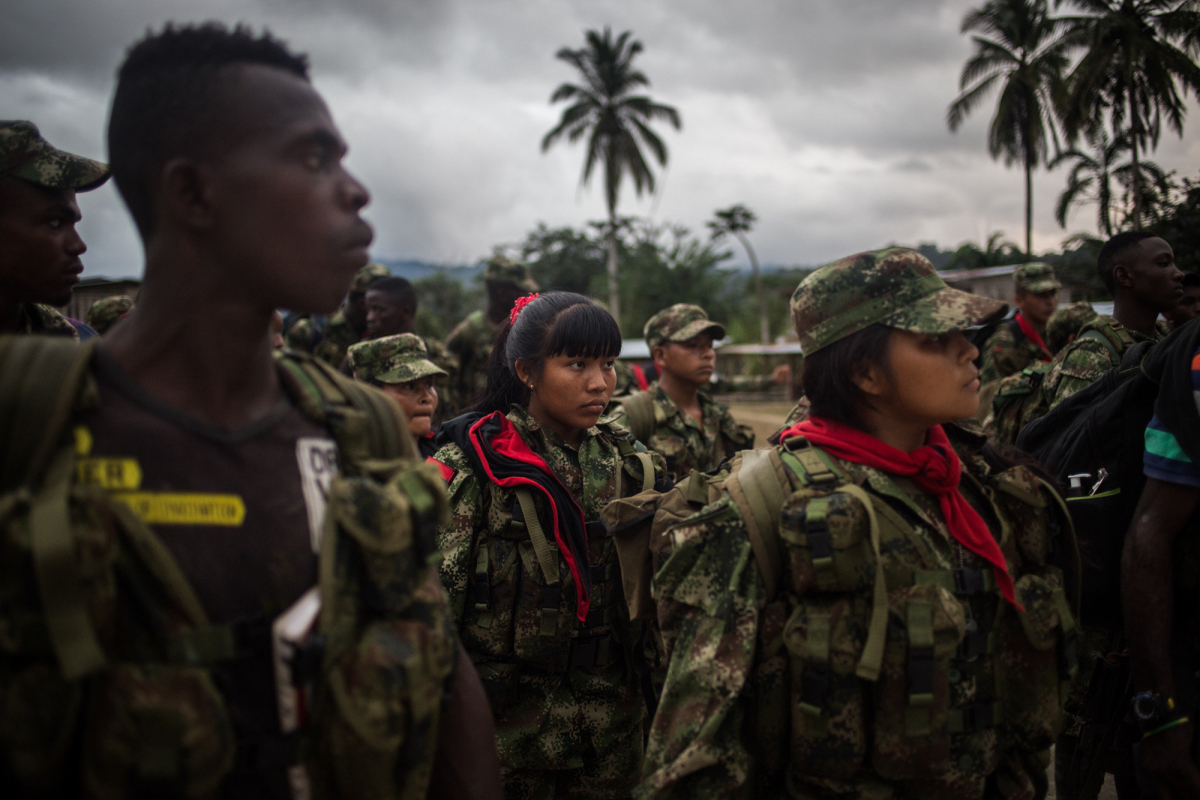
[{"x": 110, "y": 669}]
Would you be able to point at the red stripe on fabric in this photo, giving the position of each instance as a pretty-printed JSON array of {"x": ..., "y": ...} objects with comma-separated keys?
[
  {"x": 447, "y": 473},
  {"x": 934, "y": 468},
  {"x": 1033, "y": 336},
  {"x": 1196, "y": 362},
  {"x": 515, "y": 447},
  {"x": 640, "y": 375}
]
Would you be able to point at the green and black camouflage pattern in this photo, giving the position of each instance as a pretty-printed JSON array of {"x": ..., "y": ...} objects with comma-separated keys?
[
  {"x": 392, "y": 359},
  {"x": 471, "y": 344},
  {"x": 1066, "y": 322},
  {"x": 25, "y": 154},
  {"x": 1006, "y": 353},
  {"x": 35, "y": 318},
  {"x": 1086, "y": 359},
  {"x": 104, "y": 312},
  {"x": 678, "y": 323}
]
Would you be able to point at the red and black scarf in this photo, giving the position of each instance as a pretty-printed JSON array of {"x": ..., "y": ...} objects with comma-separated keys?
[
  {"x": 495, "y": 449},
  {"x": 1033, "y": 336}
]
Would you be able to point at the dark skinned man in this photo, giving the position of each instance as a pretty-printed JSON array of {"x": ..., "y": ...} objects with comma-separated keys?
[
  {"x": 1188, "y": 306},
  {"x": 221, "y": 459},
  {"x": 328, "y": 338},
  {"x": 471, "y": 341},
  {"x": 39, "y": 246},
  {"x": 1138, "y": 269}
]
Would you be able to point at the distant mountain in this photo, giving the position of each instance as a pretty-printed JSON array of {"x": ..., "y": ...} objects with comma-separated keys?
[{"x": 415, "y": 270}]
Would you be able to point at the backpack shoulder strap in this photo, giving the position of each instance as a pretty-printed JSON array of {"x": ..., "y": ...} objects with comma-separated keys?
[
  {"x": 1014, "y": 326},
  {"x": 363, "y": 421},
  {"x": 639, "y": 410},
  {"x": 40, "y": 381},
  {"x": 1105, "y": 336}
]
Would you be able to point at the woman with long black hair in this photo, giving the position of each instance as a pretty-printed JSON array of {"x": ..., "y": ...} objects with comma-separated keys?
[{"x": 531, "y": 572}]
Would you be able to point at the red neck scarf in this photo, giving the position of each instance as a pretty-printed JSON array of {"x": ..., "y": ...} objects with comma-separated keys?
[
  {"x": 934, "y": 468},
  {"x": 1033, "y": 336}
]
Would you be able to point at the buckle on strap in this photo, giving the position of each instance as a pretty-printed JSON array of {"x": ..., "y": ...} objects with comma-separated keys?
[
  {"x": 969, "y": 581},
  {"x": 920, "y": 668},
  {"x": 812, "y": 468}
]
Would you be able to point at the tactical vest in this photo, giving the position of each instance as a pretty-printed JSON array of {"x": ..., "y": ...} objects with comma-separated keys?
[
  {"x": 111, "y": 672},
  {"x": 866, "y": 665},
  {"x": 1018, "y": 400},
  {"x": 520, "y": 607}
]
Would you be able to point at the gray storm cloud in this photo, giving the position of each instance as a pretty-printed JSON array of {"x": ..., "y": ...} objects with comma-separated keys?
[{"x": 827, "y": 117}]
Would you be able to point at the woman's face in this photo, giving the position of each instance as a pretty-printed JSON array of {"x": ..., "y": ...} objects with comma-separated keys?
[
  {"x": 571, "y": 393},
  {"x": 930, "y": 380},
  {"x": 418, "y": 399}
]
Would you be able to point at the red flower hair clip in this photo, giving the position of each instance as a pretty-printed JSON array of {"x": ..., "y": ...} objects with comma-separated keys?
[{"x": 521, "y": 303}]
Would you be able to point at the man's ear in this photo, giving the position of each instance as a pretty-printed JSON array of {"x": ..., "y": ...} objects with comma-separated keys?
[
  {"x": 1122, "y": 275},
  {"x": 658, "y": 354},
  {"x": 185, "y": 193}
]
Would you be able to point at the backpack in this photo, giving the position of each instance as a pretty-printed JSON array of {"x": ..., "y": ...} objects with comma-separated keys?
[
  {"x": 1017, "y": 400},
  {"x": 163, "y": 721},
  {"x": 639, "y": 413},
  {"x": 1092, "y": 442},
  {"x": 980, "y": 336}
]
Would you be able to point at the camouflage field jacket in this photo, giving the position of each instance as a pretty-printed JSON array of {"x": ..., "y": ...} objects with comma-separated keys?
[
  {"x": 1086, "y": 359},
  {"x": 563, "y": 692},
  {"x": 1005, "y": 354},
  {"x": 763, "y": 697}
]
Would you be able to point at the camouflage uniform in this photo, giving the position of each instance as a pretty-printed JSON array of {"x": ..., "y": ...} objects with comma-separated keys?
[
  {"x": 886, "y": 663},
  {"x": 107, "y": 310},
  {"x": 1006, "y": 351},
  {"x": 471, "y": 340},
  {"x": 561, "y": 732},
  {"x": 43, "y": 319},
  {"x": 392, "y": 359},
  {"x": 1087, "y": 358},
  {"x": 1067, "y": 322},
  {"x": 339, "y": 333},
  {"x": 685, "y": 443}
]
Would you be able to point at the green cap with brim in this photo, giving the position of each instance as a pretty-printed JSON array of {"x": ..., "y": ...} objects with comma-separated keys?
[
  {"x": 25, "y": 154},
  {"x": 896, "y": 287},
  {"x": 505, "y": 270},
  {"x": 368, "y": 275},
  {"x": 678, "y": 323},
  {"x": 392, "y": 359},
  {"x": 1035, "y": 278}
]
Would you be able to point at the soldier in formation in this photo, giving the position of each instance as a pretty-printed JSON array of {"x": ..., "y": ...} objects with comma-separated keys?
[
  {"x": 531, "y": 571},
  {"x": 1018, "y": 342},
  {"x": 676, "y": 417},
  {"x": 104, "y": 313},
  {"x": 1188, "y": 307},
  {"x": 328, "y": 338},
  {"x": 39, "y": 246},
  {"x": 400, "y": 366},
  {"x": 854, "y": 615},
  {"x": 168, "y": 491},
  {"x": 471, "y": 341}
]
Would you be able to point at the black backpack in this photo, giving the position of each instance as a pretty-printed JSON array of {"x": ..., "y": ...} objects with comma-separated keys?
[{"x": 1092, "y": 443}]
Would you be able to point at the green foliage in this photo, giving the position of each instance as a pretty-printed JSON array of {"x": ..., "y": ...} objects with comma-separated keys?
[
  {"x": 565, "y": 259},
  {"x": 1180, "y": 226},
  {"x": 997, "y": 252},
  {"x": 442, "y": 302}
]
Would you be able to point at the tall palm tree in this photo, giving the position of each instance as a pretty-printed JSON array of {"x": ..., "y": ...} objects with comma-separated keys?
[
  {"x": 997, "y": 251},
  {"x": 616, "y": 120},
  {"x": 1092, "y": 176},
  {"x": 737, "y": 221},
  {"x": 1136, "y": 68},
  {"x": 1018, "y": 48}
]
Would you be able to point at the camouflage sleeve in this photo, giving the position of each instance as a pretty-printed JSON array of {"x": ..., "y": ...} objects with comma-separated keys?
[
  {"x": 1084, "y": 362},
  {"x": 999, "y": 355},
  {"x": 456, "y": 538},
  {"x": 737, "y": 437},
  {"x": 708, "y": 596}
]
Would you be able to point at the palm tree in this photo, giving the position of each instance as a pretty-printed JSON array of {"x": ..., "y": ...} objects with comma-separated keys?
[
  {"x": 1091, "y": 179},
  {"x": 736, "y": 221},
  {"x": 1019, "y": 49},
  {"x": 997, "y": 251},
  {"x": 1134, "y": 70},
  {"x": 616, "y": 122}
]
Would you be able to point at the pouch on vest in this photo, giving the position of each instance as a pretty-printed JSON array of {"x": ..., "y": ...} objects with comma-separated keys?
[
  {"x": 1036, "y": 661},
  {"x": 827, "y": 535}
]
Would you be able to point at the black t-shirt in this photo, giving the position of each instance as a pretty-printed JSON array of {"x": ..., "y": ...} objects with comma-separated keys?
[{"x": 239, "y": 510}]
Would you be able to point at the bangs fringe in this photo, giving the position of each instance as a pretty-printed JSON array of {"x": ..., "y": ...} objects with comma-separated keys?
[{"x": 584, "y": 331}]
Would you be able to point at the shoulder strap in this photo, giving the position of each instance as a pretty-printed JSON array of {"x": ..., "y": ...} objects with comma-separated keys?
[
  {"x": 365, "y": 423},
  {"x": 639, "y": 410},
  {"x": 1015, "y": 327},
  {"x": 1114, "y": 350},
  {"x": 40, "y": 379}
]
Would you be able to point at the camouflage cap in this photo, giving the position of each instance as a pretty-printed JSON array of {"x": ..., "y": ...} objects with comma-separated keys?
[
  {"x": 679, "y": 323},
  {"x": 392, "y": 359},
  {"x": 1065, "y": 322},
  {"x": 896, "y": 287},
  {"x": 505, "y": 270},
  {"x": 25, "y": 154},
  {"x": 107, "y": 310},
  {"x": 1035, "y": 278},
  {"x": 368, "y": 275}
]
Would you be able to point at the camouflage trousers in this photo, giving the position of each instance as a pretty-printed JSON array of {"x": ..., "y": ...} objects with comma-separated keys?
[{"x": 608, "y": 776}]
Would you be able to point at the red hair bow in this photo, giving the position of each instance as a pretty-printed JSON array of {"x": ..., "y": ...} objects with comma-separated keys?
[{"x": 521, "y": 303}]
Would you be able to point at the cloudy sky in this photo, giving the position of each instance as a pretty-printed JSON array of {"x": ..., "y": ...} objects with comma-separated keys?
[{"x": 827, "y": 117}]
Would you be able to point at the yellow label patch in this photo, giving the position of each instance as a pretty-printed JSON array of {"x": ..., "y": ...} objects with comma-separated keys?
[
  {"x": 185, "y": 508},
  {"x": 116, "y": 474},
  {"x": 83, "y": 441}
]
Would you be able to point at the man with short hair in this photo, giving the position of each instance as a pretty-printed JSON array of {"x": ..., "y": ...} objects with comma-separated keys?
[
  {"x": 471, "y": 341},
  {"x": 171, "y": 619},
  {"x": 676, "y": 416},
  {"x": 39, "y": 246},
  {"x": 328, "y": 338},
  {"x": 391, "y": 305},
  {"x": 1188, "y": 306},
  {"x": 1138, "y": 269},
  {"x": 1017, "y": 343}
]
